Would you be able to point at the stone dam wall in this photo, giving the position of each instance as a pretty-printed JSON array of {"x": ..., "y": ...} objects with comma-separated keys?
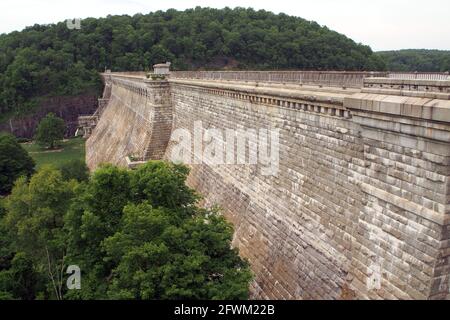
[
  {"x": 135, "y": 123},
  {"x": 360, "y": 206}
]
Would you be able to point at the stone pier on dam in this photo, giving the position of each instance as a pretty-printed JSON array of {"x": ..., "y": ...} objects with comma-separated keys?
[{"x": 360, "y": 205}]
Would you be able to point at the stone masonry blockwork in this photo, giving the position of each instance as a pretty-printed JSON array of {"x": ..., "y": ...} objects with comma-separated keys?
[{"x": 360, "y": 206}]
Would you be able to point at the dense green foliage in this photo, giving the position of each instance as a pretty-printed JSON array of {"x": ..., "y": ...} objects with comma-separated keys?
[
  {"x": 50, "y": 130},
  {"x": 14, "y": 162},
  {"x": 417, "y": 60},
  {"x": 75, "y": 169},
  {"x": 34, "y": 222},
  {"x": 54, "y": 60},
  {"x": 134, "y": 234}
]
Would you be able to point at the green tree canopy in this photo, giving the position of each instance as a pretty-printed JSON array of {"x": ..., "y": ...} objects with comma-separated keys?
[
  {"x": 50, "y": 130},
  {"x": 157, "y": 255},
  {"x": 75, "y": 169},
  {"x": 134, "y": 234},
  {"x": 35, "y": 219},
  {"x": 417, "y": 60},
  {"x": 162, "y": 184},
  {"x": 21, "y": 280},
  {"x": 14, "y": 162},
  {"x": 140, "y": 235},
  {"x": 50, "y": 59}
]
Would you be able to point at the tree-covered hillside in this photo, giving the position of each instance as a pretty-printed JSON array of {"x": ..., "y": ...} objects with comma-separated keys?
[
  {"x": 54, "y": 60},
  {"x": 417, "y": 60}
]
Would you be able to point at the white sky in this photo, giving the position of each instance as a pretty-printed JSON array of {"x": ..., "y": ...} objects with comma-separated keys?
[{"x": 382, "y": 24}]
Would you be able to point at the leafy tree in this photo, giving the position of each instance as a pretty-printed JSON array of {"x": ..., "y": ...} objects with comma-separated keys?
[
  {"x": 23, "y": 277},
  {"x": 50, "y": 130},
  {"x": 14, "y": 162},
  {"x": 34, "y": 219},
  {"x": 144, "y": 238},
  {"x": 417, "y": 60},
  {"x": 6, "y": 253},
  {"x": 159, "y": 256},
  {"x": 95, "y": 215},
  {"x": 75, "y": 169},
  {"x": 162, "y": 184},
  {"x": 134, "y": 234}
]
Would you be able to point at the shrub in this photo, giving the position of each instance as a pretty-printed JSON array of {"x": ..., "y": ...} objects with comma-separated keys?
[
  {"x": 14, "y": 162},
  {"x": 75, "y": 169}
]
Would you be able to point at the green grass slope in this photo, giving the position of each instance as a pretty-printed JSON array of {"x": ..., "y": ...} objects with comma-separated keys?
[{"x": 69, "y": 150}]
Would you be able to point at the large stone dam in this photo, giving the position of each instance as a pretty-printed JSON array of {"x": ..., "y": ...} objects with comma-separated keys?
[{"x": 359, "y": 207}]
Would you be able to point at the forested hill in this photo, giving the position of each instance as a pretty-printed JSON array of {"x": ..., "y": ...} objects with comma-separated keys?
[
  {"x": 54, "y": 60},
  {"x": 417, "y": 60}
]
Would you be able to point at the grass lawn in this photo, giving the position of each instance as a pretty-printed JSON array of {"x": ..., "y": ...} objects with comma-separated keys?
[{"x": 69, "y": 150}]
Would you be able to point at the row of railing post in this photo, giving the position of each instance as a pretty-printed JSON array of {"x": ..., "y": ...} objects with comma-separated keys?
[
  {"x": 332, "y": 78},
  {"x": 326, "y": 78}
]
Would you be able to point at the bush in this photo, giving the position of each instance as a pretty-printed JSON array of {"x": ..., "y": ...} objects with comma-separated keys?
[
  {"x": 14, "y": 162},
  {"x": 75, "y": 169},
  {"x": 155, "y": 76}
]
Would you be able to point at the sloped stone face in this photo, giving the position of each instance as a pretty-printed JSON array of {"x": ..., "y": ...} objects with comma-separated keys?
[
  {"x": 136, "y": 122},
  {"x": 295, "y": 228},
  {"x": 405, "y": 181},
  {"x": 359, "y": 207}
]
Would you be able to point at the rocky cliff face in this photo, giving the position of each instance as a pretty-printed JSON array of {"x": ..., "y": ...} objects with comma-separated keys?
[{"x": 65, "y": 107}]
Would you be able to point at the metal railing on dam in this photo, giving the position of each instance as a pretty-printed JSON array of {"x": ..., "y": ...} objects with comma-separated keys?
[
  {"x": 350, "y": 79},
  {"x": 326, "y": 78},
  {"x": 419, "y": 75}
]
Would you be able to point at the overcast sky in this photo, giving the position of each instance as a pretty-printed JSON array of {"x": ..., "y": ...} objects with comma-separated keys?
[{"x": 382, "y": 24}]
